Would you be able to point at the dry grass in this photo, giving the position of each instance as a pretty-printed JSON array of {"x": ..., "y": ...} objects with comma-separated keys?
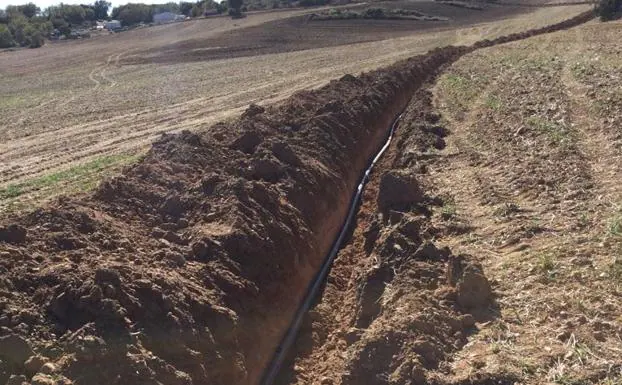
[{"x": 534, "y": 167}]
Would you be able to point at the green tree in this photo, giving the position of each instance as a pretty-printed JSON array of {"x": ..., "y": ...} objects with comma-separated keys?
[
  {"x": 608, "y": 9},
  {"x": 6, "y": 39},
  {"x": 196, "y": 11},
  {"x": 101, "y": 9},
  {"x": 168, "y": 7},
  {"x": 12, "y": 10},
  {"x": 29, "y": 10},
  {"x": 53, "y": 12},
  {"x": 18, "y": 26},
  {"x": 132, "y": 13},
  {"x": 186, "y": 8},
  {"x": 73, "y": 14},
  {"x": 235, "y": 7},
  {"x": 62, "y": 26},
  {"x": 222, "y": 7},
  {"x": 45, "y": 27},
  {"x": 33, "y": 36},
  {"x": 89, "y": 13}
]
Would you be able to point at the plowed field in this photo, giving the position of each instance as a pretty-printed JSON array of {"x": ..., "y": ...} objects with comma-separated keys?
[{"x": 72, "y": 112}]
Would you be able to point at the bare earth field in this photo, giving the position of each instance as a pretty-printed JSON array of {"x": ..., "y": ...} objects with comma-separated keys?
[
  {"x": 70, "y": 113},
  {"x": 485, "y": 248}
]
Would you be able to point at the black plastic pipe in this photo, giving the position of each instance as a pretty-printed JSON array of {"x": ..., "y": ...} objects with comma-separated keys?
[{"x": 314, "y": 288}]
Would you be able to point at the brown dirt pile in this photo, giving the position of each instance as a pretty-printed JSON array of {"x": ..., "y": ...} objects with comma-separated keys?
[{"x": 186, "y": 269}]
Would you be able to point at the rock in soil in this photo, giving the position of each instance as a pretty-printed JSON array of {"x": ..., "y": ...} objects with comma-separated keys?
[{"x": 12, "y": 234}]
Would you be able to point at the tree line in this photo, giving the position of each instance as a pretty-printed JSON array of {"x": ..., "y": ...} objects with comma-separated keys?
[
  {"x": 28, "y": 26},
  {"x": 609, "y": 9},
  {"x": 134, "y": 13}
]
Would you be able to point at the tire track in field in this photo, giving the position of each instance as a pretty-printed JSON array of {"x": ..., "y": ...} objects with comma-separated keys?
[
  {"x": 112, "y": 58},
  {"x": 596, "y": 142},
  {"x": 93, "y": 79},
  {"x": 130, "y": 132},
  {"x": 98, "y": 72}
]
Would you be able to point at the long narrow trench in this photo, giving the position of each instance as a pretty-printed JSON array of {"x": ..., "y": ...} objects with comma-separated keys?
[
  {"x": 314, "y": 290},
  {"x": 352, "y": 243}
]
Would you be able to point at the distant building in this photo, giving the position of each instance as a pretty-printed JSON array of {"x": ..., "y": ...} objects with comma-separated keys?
[
  {"x": 113, "y": 25},
  {"x": 167, "y": 17}
]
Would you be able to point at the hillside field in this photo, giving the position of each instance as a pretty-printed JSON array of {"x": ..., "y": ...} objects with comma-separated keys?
[
  {"x": 169, "y": 196},
  {"x": 73, "y": 112}
]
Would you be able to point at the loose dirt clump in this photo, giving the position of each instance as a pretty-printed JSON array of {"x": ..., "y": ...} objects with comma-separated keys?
[{"x": 398, "y": 189}]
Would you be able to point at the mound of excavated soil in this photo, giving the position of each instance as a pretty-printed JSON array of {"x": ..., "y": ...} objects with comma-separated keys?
[{"x": 186, "y": 269}]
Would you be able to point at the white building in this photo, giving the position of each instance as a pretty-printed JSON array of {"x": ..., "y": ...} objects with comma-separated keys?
[{"x": 113, "y": 25}]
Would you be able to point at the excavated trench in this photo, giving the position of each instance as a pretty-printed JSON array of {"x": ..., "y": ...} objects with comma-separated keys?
[
  {"x": 190, "y": 266},
  {"x": 429, "y": 135},
  {"x": 289, "y": 338}
]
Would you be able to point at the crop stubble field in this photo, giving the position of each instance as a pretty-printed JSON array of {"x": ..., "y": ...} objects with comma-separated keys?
[{"x": 71, "y": 113}]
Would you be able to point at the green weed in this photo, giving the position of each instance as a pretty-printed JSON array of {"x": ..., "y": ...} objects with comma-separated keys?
[
  {"x": 493, "y": 102},
  {"x": 449, "y": 210},
  {"x": 547, "y": 265},
  {"x": 556, "y": 133},
  {"x": 584, "y": 221},
  {"x": 582, "y": 70},
  {"x": 615, "y": 226},
  {"x": 456, "y": 82},
  {"x": 460, "y": 91},
  {"x": 10, "y": 191},
  {"x": 81, "y": 178}
]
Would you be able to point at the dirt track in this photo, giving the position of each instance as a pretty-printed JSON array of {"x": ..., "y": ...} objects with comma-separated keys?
[
  {"x": 87, "y": 106},
  {"x": 185, "y": 269}
]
